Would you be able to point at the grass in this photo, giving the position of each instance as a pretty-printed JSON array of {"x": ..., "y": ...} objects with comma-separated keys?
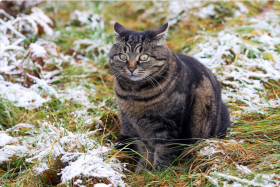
[{"x": 253, "y": 141}]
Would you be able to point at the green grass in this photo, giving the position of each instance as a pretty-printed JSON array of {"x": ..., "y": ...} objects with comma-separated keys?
[{"x": 258, "y": 134}]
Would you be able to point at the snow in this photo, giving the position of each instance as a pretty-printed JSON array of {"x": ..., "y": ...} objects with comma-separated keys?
[
  {"x": 238, "y": 76},
  {"x": 243, "y": 169},
  {"x": 40, "y": 168},
  {"x": 44, "y": 85},
  {"x": 207, "y": 11},
  {"x": 38, "y": 51},
  {"x": 51, "y": 142},
  {"x": 21, "y": 125},
  {"x": 79, "y": 94},
  {"x": 89, "y": 18},
  {"x": 253, "y": 182},
  {"x": 21, "y": 96},
  {"x": 102, "y": 185},
  {"x": 5, "y": 138},
  {"x": 12, "y": 150}
]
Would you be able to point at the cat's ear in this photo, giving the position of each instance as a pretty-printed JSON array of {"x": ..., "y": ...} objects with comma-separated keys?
[
  {"x": 158, "y": 35},
  {"x": 161, "y": 30},
  {"x": 118, "y": 29}
]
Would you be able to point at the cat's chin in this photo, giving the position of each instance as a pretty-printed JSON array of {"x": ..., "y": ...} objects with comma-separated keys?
[{"x": 135, "y": 78}]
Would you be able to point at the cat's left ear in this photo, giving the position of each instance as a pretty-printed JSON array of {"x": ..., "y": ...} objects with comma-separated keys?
[
  {"x": 118, "y": 30},
  {"x": 161, "y": 31},
  {"x": 158, "y": 35}
]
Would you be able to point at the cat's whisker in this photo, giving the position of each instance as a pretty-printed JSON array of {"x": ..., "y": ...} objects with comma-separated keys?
[
  {"x": 157, "y": 82},
  {"x": 151, "y": 81},
  {"x": 160, "y": 75}
]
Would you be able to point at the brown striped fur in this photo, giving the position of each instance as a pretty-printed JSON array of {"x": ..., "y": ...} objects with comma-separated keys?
[{"x": 168, "y": 99}]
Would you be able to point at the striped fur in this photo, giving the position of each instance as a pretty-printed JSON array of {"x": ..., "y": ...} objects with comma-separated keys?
[{"x": 170, "y": 99}]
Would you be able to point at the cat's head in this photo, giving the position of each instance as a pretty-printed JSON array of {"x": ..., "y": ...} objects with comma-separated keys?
[{"x": 138, "y": 55}]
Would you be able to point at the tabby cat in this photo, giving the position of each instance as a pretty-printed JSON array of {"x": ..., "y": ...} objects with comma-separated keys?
[{"x": 165, "y": 99}]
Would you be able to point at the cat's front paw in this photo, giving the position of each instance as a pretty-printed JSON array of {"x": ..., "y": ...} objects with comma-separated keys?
[
  {"x": 161, "y": 167},
  {"x": 139, "y": 168}
]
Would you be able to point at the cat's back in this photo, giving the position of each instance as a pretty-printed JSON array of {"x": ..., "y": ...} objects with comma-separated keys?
[{"x": 198, "y": 71}]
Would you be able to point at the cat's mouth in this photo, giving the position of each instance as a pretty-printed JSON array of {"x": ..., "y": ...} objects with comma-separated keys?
[{"x": 134, "y": 77}]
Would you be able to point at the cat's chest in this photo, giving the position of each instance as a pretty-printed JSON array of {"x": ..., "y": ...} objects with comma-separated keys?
[{"x": 165, "y": 103}]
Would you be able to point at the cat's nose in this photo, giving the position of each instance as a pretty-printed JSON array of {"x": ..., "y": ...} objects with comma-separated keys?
[{"x": 131, "y": 69}]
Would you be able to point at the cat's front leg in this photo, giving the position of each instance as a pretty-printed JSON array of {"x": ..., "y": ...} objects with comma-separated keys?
[
  {"x": 146, "y": 158},
  {"x": 162, "y": 156}
]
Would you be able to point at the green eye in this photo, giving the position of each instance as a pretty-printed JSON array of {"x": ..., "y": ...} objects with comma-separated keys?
[
  {"x": 143, "y": 57},
  {"x": 122, "y": 57}
]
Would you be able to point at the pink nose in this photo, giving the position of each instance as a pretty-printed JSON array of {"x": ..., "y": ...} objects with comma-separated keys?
[{"x": 131, "y": 69}]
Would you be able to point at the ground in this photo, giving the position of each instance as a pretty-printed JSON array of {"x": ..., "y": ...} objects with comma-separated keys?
[{"x": 58, "y": 113}]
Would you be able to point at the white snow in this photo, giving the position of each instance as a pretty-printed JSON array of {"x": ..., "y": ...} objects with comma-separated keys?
[
  {"x": 19, "y": 126},
  {"x": 55, "y": 142},
  {"x": 253, "y": 182},
  {"x": 21, "y": 96},
  {"x": 207, "y": 11},
  {"x": 5, "y": 138},
  {"x": 38, "y": 51},
  {"x": 38, "y": 169},
  {"x": 238, "y": 76},
  {"x": 244, "y": 169},
  {"x": 102, "y": 185},
  {"x": 79, "y": 94},
  {"x": 91, "y": 19}
]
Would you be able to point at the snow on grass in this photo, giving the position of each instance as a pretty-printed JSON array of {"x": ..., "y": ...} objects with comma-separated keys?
[
  {"x": 21, "y": 96},
  {"x": 222, "y": 151},
  {"x": 38, "y": 51},
  {"x": 80, "y": 95},
  {"x": 243, "y": 169},
  {"x": 84, "y": 156},
  {"x": 181, "y": 10},
  {"x": 88, "y": 18},
  {"x": 253, "y": 61},
  {"x": 5, "y": 138},
  {"x": 258, "y": 180},
  {"x": 20, "y": 61}
]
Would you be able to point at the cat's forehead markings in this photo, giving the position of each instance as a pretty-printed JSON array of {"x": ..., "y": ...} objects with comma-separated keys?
[
  {"x": 135, "y": 38},
  {"x": 140, "y": 38},
  {"x": 130, "y": 38}
]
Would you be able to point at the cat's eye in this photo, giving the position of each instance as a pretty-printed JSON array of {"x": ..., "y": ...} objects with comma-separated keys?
[
  {"x": 122, "y": 57},
  {"x": 143, "y": 57}
]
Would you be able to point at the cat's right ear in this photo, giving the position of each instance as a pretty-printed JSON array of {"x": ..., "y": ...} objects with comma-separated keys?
[{"x": 118, "y": 30}]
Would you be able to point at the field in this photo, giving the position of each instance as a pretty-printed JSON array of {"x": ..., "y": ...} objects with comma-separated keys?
[{"x": 58, "y": 114}]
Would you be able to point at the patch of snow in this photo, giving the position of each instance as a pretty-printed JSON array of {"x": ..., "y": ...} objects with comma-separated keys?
[
  {"x": 44, "y": 85},
  {"x": 89, "y": 18},
  {"x": 78, "y": 181},
  {"x": 207, "y": 11},
  {"x": 244, "y": 169},
  {"x": 238, "y": 76},
  {"x": 79, "y": 94},
  {"x": 38, "y": 51},
  {"x": 12, "y": 150},
  {"x": 253, "y": 182},
  {"x": 21, "y": 125},
  {"x": 21, "y": 96},
  {"x": 242, "y": 7},
  {"x": 40, "y": 168},
  {"x": 5, "y": 138},
  {"x": 102, "y": 185}
]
